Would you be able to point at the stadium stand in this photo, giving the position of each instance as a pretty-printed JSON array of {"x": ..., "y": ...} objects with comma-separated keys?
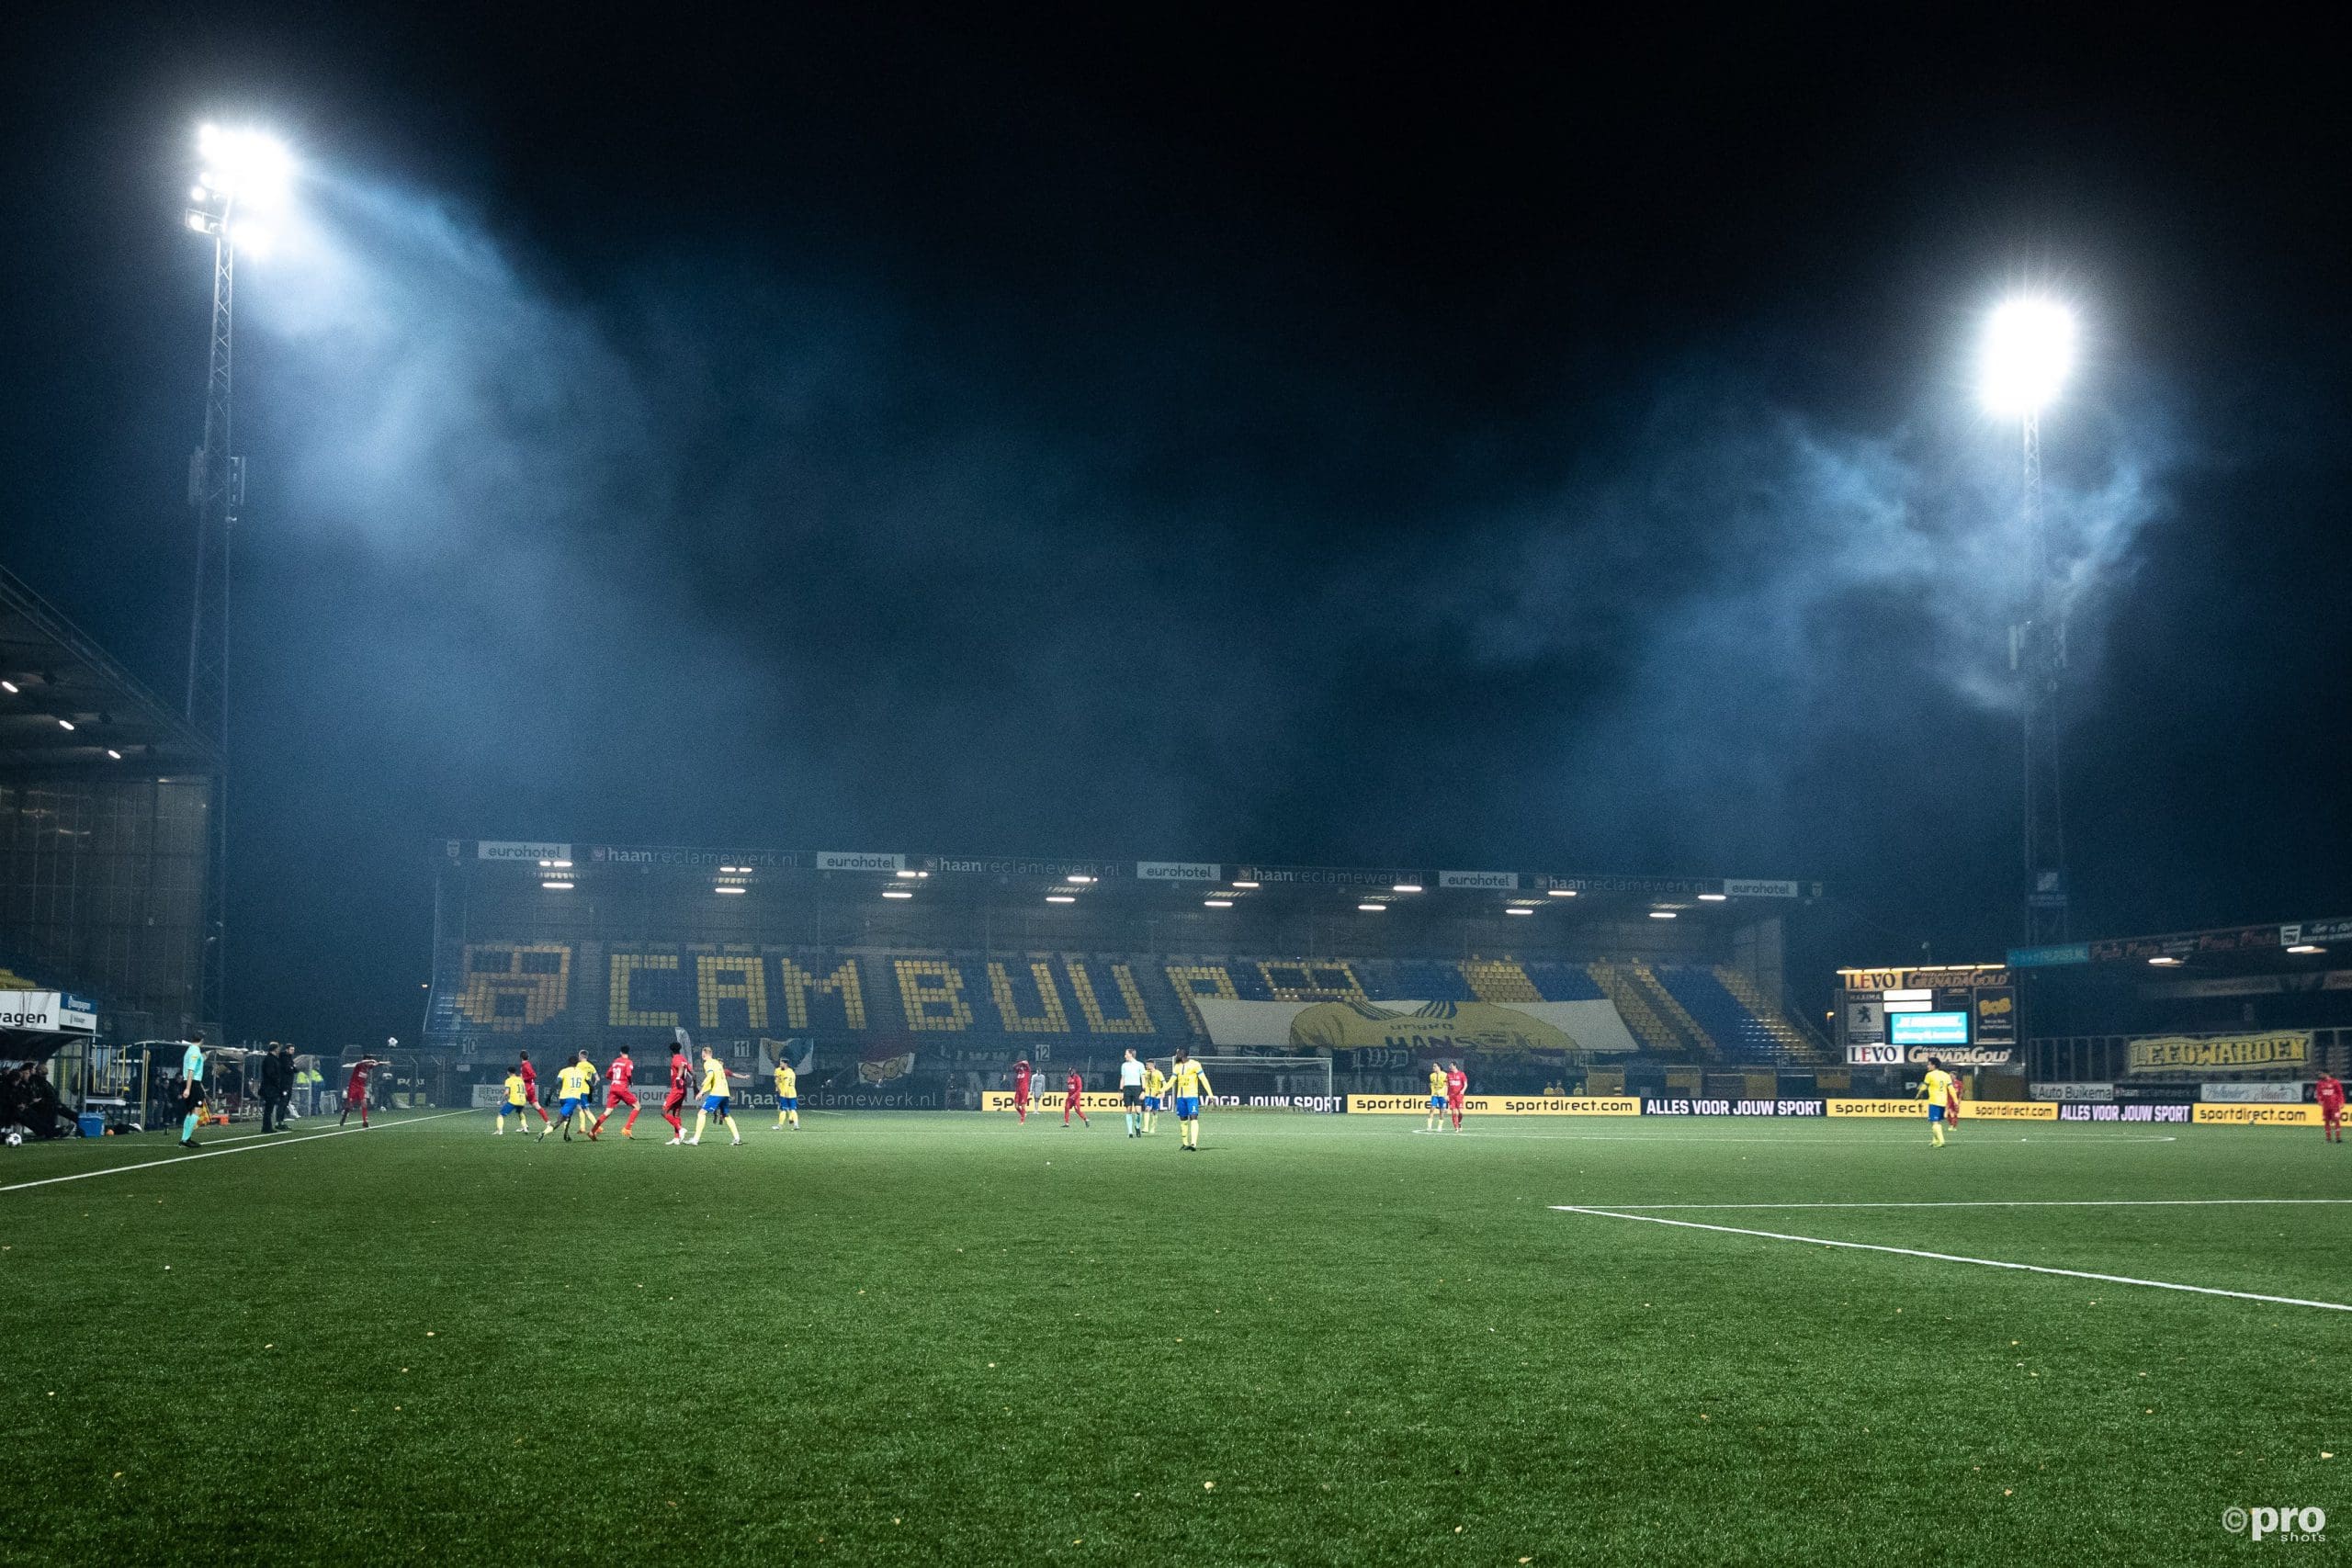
[
  {"x": 104, "y": 804},
  {"x": 1619, "y": 984},
  {"x": 522, "y": 987},
  {"x": 1799, "y": 1043},
  {"x": 946, "y": 967},
  {"x": 1671, "y": 1008},
  {"x": 1737, "y": 1031}
]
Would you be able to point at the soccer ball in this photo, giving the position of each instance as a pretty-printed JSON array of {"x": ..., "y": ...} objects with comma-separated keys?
[{"x": 15, "y": 1138}]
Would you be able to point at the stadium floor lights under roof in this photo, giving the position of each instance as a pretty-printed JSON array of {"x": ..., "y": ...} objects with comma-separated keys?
[
  {"x": 949, "y": 888},
  {"x": 901, "y": 886},
  {"x": 66, "y": 704}
]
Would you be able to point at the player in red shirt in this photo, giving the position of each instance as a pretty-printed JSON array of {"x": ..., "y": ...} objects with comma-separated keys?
[
  {"x": 2329, "y": 1092},
  {"x": 1070, "y": 1101},
  {"x": 682, "y": 1083},
  {"x": 618, "y": 1092},
  {"x": 355, "y": 1093},
  {"x": 1457, "y": 1084},
  {"x": 531, "y": 1076},
  {"x": 1021, "y": 1090}
]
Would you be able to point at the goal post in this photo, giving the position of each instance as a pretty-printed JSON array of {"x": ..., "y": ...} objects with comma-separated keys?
[{"x": 1244, "y": 1077}]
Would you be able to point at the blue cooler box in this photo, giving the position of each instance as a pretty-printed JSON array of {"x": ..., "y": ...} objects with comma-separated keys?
[{"x": 93, "y": 1124}]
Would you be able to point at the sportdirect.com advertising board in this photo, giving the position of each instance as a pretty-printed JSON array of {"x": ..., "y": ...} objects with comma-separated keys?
[{"x": 1831, "y": 1109}]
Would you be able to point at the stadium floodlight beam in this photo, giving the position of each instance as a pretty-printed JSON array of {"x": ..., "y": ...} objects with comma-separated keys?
[
  {"x": 2028, "y": 353},
  {"x": 242, "y": 175}
]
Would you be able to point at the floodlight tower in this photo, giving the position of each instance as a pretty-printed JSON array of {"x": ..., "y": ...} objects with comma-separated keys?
[
  {"x": 2029, "y": 350},
  {"x": 242, "y": 176}
]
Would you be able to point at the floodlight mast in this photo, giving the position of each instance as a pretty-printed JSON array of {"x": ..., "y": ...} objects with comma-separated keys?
[
  {"x": 2029, "y": 350},
  {"x": 239, "y": 169}
]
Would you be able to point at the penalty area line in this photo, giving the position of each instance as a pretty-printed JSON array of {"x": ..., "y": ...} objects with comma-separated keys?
[
  {"x": 1956, "y": 1257},
  {"x": 172, "y": 1161}
]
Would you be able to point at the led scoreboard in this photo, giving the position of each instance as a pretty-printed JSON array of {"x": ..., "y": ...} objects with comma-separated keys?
[{"x": 1965, "y": 1013}]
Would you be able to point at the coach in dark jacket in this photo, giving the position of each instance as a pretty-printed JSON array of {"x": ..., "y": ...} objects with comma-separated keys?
[
  {"x": 274, "y": 1089},
  {"x": 267, "y": 1089}
]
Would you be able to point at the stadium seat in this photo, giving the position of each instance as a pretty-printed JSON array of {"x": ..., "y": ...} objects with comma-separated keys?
[
  {"x": 1741, "y": 1032},
  {"x": 1495, "y": 980},
  {"x": 1617, "y": 983}
]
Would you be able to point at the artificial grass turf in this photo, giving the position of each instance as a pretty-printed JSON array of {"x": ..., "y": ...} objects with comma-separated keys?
[{"x": 949, "y": 1338}]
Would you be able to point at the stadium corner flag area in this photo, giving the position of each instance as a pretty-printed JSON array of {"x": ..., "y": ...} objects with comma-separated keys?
[{"x": 958, "y": 1338}]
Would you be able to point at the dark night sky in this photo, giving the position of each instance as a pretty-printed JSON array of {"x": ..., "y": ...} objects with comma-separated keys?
[{"x": 1306, "y": 440}]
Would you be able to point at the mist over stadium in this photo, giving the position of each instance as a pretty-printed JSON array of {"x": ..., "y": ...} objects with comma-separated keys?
[{"x": 1682, "y": 676}]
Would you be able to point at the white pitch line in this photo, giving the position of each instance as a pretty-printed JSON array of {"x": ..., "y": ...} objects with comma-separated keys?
[
  {"x": 1956, "y": 1257},
  {"x": 170, "y": 1162},
  {"x": 1993, "y": 1203}
]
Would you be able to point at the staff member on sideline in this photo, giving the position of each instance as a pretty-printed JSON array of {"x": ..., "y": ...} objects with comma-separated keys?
[{"x": 271, "y": 1087}]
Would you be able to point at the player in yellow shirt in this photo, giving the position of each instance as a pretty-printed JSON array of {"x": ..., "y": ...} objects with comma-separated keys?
[
  {"x": 1155, "y": 1095},
  {"x": 714, "y": 1097},
  {"x": 1191, "y": 1086},
  {"x": 572, "y": 1090},
  {"x": 517, "y": 1101},
  {"x": 1941, "y": 1091},
  {"x": 1437, "y": 1097},
  {"x": 787, "y": 1096}
]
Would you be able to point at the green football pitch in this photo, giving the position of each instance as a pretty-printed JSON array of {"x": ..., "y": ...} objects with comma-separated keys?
[{"x": 951, "y": 1339}]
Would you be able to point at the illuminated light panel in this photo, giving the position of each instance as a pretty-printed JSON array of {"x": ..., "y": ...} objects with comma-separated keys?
[
  {"x": 9, "y": 687},
  {"x": 117, "y": 757},
  {"x": 896, "y": 893},
  {"x": 1405, "y": 887},
  {"x": 1664, "y": 914},
  {"x": 906, "y": 875},
  {"x": 1559, "y": 892},
  {"x": 1216, "y": 903},
  {"x": 1516, "y": 909},
  {"x": 65, "y": 724},
  {"x": 729, "y": 890},
  {"x": 1372, "y": 908},
  {"x": 2164, "y": 961},
  {"x": 1245, "y": 885},
  {"x": 2028, "y": 349},
  {"x": 2307, "y": 947},
  {"x": 1082, "y": 881},
  {"x": 245, "y": 165},
  {"x": 1061, "y": 898},
  {"x": 1714, "y": 897},
  {"x": 556, "y": 887}
]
